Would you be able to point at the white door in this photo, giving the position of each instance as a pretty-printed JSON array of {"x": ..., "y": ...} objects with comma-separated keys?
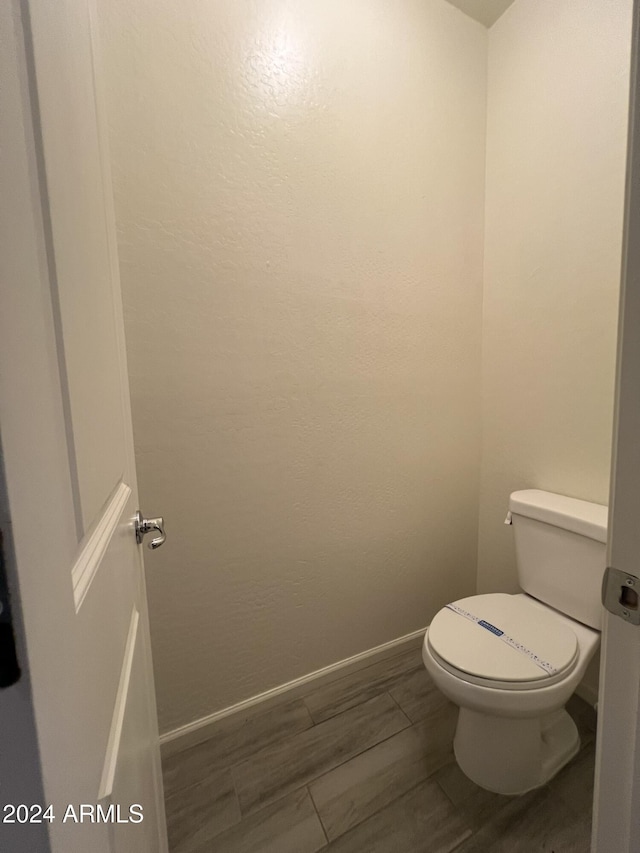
[
  {"x": 617, "y": 791},
  {"x": 78, "y": 727}
]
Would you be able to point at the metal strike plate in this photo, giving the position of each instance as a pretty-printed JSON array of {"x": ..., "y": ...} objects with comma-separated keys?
[{"x": 621, "y": 595}]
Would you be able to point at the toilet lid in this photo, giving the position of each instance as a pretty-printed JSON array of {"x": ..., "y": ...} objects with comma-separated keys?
[{"x": 502, "y": 637}]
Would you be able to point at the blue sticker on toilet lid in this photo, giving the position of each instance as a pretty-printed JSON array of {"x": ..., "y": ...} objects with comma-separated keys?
[
  {"x": 488, "y": 626},
  {"x": 505, "y": 638},
  {"x": 519, "y": 647}
]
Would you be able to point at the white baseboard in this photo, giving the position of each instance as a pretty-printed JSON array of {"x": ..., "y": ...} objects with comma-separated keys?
[{"x": 197, "y": 731}]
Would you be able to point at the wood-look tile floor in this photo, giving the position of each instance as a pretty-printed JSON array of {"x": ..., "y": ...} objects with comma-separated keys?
[{"x": 363, "y": 765}]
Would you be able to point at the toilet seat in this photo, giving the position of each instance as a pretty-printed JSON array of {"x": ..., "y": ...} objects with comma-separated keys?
[{"x": 504, "y": 641}]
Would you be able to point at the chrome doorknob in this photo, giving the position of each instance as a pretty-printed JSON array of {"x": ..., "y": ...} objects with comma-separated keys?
[{"x": 146, "y": 525}]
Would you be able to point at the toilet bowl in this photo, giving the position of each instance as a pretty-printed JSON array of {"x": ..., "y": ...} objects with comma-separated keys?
[
  {"x": 511, "y": 662},
  {"x": 513, "y": 733}
]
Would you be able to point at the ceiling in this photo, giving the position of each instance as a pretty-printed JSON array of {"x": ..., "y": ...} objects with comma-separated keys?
[{"x": 485, "y": 11}]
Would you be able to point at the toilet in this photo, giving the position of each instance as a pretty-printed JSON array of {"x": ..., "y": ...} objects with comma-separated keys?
[{"x": 511, "y": 662}]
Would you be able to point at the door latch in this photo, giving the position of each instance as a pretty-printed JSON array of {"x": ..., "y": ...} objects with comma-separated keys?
[
  {"x": 146, "y": 525},
  {"x": 621, "y": 595}
]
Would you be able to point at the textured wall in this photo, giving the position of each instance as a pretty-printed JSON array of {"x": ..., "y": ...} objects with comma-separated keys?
[
  {"x": 299, "y": 190},
  {"x": 556, "y": 139}
]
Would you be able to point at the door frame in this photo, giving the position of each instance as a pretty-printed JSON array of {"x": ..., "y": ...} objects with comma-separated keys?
[{"x": 616, "y": 823}]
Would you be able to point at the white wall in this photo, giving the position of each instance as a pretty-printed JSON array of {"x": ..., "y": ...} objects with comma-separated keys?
[
  {"x": 556, "y": 140},
  {"x": 299, "y": 191}
]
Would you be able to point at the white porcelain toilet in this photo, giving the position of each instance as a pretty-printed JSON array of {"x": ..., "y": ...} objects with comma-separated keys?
[{"x": 511, "y": 662}]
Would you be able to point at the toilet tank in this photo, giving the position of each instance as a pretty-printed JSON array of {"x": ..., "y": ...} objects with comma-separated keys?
[{"x": 560, "y": 551}]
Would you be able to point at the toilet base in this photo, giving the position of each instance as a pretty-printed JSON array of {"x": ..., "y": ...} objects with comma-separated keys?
[{"x": 513, "y": 756}]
